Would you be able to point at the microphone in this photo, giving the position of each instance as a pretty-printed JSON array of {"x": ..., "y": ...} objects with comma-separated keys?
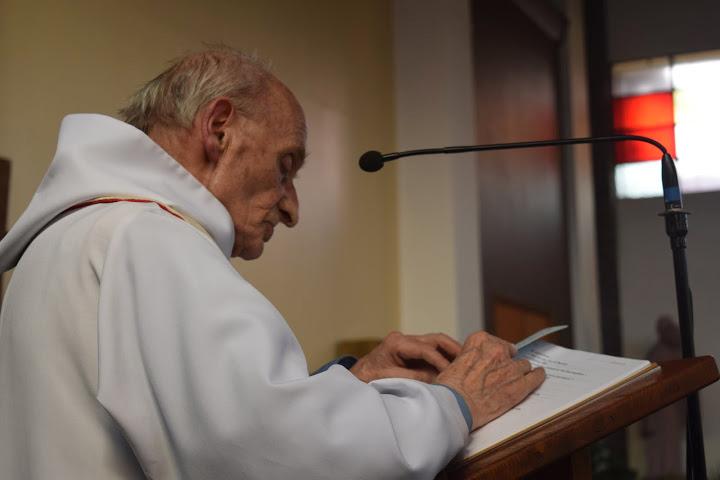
[
  {"x": 676, "y": 227},
  {"x": 371, "y": 161}
]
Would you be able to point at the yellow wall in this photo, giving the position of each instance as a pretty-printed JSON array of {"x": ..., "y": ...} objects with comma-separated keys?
[{"x": 335, "y": 275}]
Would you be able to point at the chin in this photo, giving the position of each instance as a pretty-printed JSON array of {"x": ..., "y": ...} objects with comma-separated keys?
[{"x": 248, "y": 252}]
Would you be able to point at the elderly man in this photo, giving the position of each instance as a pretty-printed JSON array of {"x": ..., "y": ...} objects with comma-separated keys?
[{"x": 130, "y": 347}]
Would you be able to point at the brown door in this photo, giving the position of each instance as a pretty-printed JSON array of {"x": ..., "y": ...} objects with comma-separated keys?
[{"x": 523, "y": 234}]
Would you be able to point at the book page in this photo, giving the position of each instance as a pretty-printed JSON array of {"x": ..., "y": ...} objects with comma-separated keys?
[
  {"x": 538, "y": 335},
  {"x": 572, "y": 376}
]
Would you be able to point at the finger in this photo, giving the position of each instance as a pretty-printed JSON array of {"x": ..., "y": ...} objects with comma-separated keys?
[
  {"x": 535, "y": 378},
  {"x": 449, "y": 345},
  {"x": 503, "y": 349},
  {"x": 416, "y": 350},
  {"x": 476, "y": 339},
  {"x": 466, "y": 360},
  {"x": 481, "y": 338},
  {"x": 517, "y": 368},
  {"x": 495, "y": 351},
  {"x": 512, "y": 369},
  {"x": 508, "y": 371}
]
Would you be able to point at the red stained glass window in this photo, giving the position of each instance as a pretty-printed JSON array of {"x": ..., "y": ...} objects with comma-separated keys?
[{"x": 651, "y": 115}]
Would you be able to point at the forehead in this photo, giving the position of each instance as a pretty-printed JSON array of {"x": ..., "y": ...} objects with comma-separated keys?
[{"x": 285, "y": 116}]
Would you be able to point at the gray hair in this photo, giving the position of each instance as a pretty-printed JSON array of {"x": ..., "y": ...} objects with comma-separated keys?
[{"x": 174, "y": 97}]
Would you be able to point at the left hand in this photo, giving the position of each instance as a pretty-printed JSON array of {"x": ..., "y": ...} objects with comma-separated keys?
[{"x": 417, "y": 357}]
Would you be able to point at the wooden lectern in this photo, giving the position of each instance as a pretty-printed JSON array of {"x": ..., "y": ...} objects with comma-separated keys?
[{"x": 557, "y": 449}]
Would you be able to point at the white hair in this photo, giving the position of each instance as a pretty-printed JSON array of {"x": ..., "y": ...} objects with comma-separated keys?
[{"x": 174, "y": 97}]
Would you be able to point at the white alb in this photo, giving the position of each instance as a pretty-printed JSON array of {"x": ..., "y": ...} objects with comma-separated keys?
[{"x": 131, "y": 348}]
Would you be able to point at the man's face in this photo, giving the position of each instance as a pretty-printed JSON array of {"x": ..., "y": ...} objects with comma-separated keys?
[{"x": 257, "y": 170}]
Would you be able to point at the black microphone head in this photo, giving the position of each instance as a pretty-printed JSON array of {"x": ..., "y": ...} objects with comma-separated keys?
[{"x": 371, "y": 161}]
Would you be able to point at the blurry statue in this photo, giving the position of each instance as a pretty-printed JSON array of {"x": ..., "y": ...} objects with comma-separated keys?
[{"x": 663, "y": 431}]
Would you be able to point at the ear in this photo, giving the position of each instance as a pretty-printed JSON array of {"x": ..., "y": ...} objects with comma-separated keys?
[{"x": 215, "y": 120}]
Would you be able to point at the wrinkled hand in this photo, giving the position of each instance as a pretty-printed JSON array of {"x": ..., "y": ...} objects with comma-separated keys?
[
  {"x": 487, "y": 377},
  {"x": 417, "y": 357}
]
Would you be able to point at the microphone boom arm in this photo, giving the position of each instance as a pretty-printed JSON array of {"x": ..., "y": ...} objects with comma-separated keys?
[{"x": 539, "y": 143}]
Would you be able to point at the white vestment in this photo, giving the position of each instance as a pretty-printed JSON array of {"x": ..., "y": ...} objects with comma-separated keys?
[{"x": 130, "y": 346}]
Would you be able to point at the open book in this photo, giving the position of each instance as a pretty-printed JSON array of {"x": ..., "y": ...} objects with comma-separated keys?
[{"x": 573, "y": 377}]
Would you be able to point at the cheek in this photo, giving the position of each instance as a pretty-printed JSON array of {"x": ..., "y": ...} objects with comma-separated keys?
[
  {"x": 250, "y": 196},
  {"x": 250, "y": 212},
  {"x": 239, "y": 213}
]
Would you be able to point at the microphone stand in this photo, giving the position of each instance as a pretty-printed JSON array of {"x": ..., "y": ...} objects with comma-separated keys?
[{"x": 676, "y": 227}]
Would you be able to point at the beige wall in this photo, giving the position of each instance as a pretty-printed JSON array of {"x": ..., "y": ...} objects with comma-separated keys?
[
  {"x": 332, "y": 277},
  {"x": 580, "y": 199},
  {"x": 438, "y": 203}
]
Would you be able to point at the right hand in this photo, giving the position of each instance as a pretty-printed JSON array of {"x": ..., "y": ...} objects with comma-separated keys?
[{"x": 487, "y": 377}]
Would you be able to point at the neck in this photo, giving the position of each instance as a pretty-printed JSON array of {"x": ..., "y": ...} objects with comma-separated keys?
[{"x": 181, "y": 146}]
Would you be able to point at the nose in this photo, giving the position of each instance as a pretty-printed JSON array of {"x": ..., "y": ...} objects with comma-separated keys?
[{"x": 289, "y": 206}]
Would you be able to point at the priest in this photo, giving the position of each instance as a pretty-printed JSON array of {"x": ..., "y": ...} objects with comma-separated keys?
[{"x": 131, "y": 348}]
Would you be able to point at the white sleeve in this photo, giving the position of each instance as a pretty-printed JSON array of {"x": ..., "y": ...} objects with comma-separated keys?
[{"x": 206, "y": 380}]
